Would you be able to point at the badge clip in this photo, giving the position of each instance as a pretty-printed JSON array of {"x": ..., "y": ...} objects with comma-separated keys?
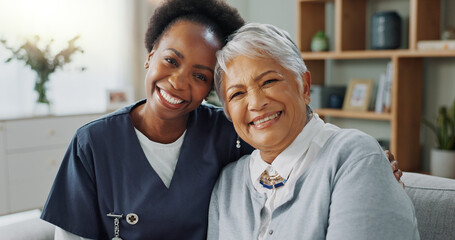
[{"x": 117, "y": 218}]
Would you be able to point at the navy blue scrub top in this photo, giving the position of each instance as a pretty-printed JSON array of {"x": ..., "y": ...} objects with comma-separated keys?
[{"x": 105, "y": 171}]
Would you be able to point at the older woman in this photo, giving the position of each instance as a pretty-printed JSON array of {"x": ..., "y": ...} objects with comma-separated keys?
[{"x": 307, "y": 179}]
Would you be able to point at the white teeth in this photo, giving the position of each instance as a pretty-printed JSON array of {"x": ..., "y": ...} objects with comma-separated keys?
[
  {"x": 267, "y": 118},
  {"x": 169, "y": 98}
]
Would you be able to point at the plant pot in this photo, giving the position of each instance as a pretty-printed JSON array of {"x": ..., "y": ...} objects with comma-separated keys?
[
  {"x": 442, "y": 163},
  {"x": 319, "y": 42}
]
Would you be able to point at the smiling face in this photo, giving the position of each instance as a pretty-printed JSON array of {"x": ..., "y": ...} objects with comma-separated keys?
[
  {"x": 265, "y": 103},
  {"x": 180, "y": 72}
]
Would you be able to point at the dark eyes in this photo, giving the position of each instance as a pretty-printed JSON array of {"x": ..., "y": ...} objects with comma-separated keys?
[
  {"x": 237, "y": 94},
  {"x": 171, "y": 61},
  {"x": 174, "y": 63},
  {"x": 269, "y": 81},
  {"x": 200, "y": 77}
]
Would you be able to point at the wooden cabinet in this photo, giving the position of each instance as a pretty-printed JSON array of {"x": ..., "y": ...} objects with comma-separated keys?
[
  {"x": 31, "y": 151},
  {"x": 350, "y": 42}
]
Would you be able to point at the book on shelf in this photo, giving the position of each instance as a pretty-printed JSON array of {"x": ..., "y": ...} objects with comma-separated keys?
[
  {"x": 388, "y": 88},
  {"x": 436, "y": 45},
  {"x": 384, "y": 91},
  {"x": 379, "y": 106}
]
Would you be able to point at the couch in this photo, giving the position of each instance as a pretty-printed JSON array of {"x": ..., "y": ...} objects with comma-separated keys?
[
  {"x": 434, "y": 202},
  {"x": 433, "y": 198}
]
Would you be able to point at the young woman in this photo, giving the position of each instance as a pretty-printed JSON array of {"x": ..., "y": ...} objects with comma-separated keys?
[
  {"x": 147, "y": 171},
  {"x": 307, "y": 179}
]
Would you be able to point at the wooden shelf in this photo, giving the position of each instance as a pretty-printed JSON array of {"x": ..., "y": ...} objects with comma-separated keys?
[
  {"x": 316, "y": 0},
  {"x": 350, "y": 42},
  {"x": 428, "y": 53},
  {"x": 327, "y": 112},
  {"x": 376, "y": 54}
]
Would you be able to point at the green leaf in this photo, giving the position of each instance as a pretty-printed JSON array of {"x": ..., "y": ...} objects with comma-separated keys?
[{"x": 444, "y": 127}]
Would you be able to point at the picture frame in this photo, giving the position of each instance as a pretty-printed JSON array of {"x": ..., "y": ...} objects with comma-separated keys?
[
  {"x": 117, "y": 98},
  {"x": 358, "y": 95}
]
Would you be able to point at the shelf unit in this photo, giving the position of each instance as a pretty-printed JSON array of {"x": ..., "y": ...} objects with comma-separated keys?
[{"x": 350, "y": 43}]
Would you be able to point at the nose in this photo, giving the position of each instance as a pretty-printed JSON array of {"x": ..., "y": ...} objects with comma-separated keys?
[
  {"x": 257, "y": 100},
  {"x": 178, "y": 81}
]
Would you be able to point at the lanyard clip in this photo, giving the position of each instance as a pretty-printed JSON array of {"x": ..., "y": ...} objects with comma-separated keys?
[
  {"x": 113, "y": 215},
  {"x": 116, "y": 224}
]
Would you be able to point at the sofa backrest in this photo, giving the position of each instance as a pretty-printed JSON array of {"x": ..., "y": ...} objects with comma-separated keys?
[{"x": 434, "y": 202}]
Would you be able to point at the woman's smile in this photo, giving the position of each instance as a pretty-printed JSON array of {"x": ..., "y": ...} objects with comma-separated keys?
[
  {"x": 169, "y": 100},
  {"x": 265, "y": 120}
]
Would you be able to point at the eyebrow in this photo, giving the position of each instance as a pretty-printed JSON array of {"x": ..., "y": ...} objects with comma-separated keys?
[
  {"x": 263, "y": 74},
  {"x": 255, "y": 79},
  {"x": 176, "y": 53},
  {"x": 180, "y": 55},
  {"x": 203, "y": 67}
]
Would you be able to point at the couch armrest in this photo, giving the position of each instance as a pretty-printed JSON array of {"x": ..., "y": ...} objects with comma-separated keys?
[
  {"x": 434, "y": 202},
  {"x": 25, "y": 226}
]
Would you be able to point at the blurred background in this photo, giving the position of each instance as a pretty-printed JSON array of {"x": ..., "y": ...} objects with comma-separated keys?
[{"x": 112, "y": 35}]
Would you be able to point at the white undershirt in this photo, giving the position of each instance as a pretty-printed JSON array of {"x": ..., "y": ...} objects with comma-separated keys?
[
  {"x": 163, "y": 159},
  {"x": 290, "y": 164}
]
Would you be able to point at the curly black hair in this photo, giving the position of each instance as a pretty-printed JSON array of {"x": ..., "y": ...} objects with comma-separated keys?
[{"x": 217, "y": 15}]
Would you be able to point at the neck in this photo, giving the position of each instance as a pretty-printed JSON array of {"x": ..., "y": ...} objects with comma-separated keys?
[
  {"x": 270, "y": 155},
  {"x": 157, "y": 129}
]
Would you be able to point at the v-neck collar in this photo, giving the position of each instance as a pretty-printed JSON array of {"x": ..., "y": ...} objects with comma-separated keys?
[{"x": 143, "y": 159}]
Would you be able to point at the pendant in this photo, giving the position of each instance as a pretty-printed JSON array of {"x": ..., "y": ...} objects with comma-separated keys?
[{"x": 116, "y": 238}]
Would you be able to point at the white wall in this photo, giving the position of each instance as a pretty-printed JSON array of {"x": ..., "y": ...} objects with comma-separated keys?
[
  {"x": 105, "y": 33},
  {"x": 282, "y": 14},
  {"x": 242, "y": 6}
]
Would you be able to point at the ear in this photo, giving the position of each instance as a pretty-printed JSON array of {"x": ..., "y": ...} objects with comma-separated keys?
[
  {"x": 306, "y": 81},
  {"x": 149, "y": 57}
]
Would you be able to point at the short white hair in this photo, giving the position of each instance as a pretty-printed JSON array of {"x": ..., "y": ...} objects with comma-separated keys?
[{"x": 257, "y": 40}]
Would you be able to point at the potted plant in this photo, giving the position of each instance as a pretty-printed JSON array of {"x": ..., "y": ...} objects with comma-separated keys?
[
  {"x": 442, "y": 162},
  {"x": 42, "y": 62}
]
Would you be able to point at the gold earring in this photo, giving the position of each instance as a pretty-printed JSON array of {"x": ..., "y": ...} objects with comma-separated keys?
[
  {"x": 146, "y": 64},
  {"x": 237, "y": 142}
]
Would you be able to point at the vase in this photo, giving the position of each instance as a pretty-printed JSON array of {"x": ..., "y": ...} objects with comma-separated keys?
[
  {"x": 385, "y": 30},
  {"x": 42, "y": 109},
  {"x": 442, "y": 163}
]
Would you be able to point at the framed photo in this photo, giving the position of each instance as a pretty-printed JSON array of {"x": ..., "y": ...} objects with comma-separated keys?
[
  {"x": 358, "y": 95},
  {"x": 117, "y": 98}
]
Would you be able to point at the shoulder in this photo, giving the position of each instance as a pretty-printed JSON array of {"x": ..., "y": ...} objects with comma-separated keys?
[
  {"x": 348, "y": 149},
  {"x": 107, "y": 124},
  {"x": 237, "y": 166},
  {"x": 211, "y": 119},
  {"x": 210, "y": 112},
  {"x": 235, "y": 172},
  {"x": 352, "y": 142}
]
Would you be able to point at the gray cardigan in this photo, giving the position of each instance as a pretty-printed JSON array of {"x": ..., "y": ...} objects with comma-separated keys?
[{"x": 348, "y": 192}]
